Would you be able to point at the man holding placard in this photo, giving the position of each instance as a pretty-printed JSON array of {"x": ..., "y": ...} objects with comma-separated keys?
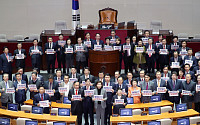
[
  {"x": 197, "y": 95},
  {"x": 175, "y": 45},
  {"x": 196, "y": 69},
  {"x": 121, "y": 86},
  {"x": 175, "y": 62},
  {"x": 20, "y": 56},
  {"x": 190, "y": 59},
  {"x": 6, "y": 97},
  {"x": 97, "y": 42},
  {"x": 76, "y": 97},
  {"x": 187, "y": 71},
  {"x": 69, "y": 54},
  {"x": 88, "y": 43},
  {"x": 34, "y": 82}
]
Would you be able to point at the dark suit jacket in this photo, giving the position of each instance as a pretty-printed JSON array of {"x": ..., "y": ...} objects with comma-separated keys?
[
  {"x": 5, "y": 66},
  {"x": 109, "y": 94},
  {"x": 76, "y": 106},
  {"x": 124, "y": 86},
  {"x": 20, "y": 62},
  {"x": 35, "y": 57},
  {"x": 69, "y": 55},
  {"x": 172, "y": 51},
  {"x": 24, "y": 77},
  {"x": 37, "y": 98},
  {"x": 153, "y": 56},
  {"x": 94, "y": 42},
  {"x": 189, "y": 87},
  {"x": 193, "y": 59},
  {"x": 192, "y": 75},
  {"x": 54, "y": 86},
  {"x": 125, "y": 53},
  {"x": 117, "y": 107},
  {"x": 50, "y": 56},
  {"x": 91, "y": 77},
  {"x": 55, "y": 79},
  {"x": 179, "y": 60},
  {"x": 20, "y": 95},
  {"x": 38, "y": 83},
  {"x": 178, "y": 87},
  {"x": 164, "y": 58},
  {"x": 77, "y": 76},
  {"x": 87, "y": 102},
  {"x": 162, "y": 84},
  {"x": 180, "y": 49},
  {"x": 39, "y": 77}
]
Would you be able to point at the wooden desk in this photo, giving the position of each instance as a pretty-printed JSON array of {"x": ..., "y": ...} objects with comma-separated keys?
[
  {"x": 29, "y": 102},
  {"x": 147, "y": 105},
  {"x": 136, "y": 118},
  {"x": 39, "y": 117}
]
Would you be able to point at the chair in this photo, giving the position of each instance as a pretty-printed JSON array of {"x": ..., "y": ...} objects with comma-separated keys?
[
  {"x": 136, "y": 111},
  {"x": 165, "y": 109},
  {"x": 21, "y": 121},
  {"x": 26, "y": 108},
  {"x": 54, "y": 110},
  {"x": 197, "y": 36},
  {"x": 165, "y": 121},
  {"x": 19, "y": 37},
  {"x": 3, "y": 38},
  {"x": 156, "y": 25},
  {"x": 183, "y": 36},
  {"x": 34, "y": 36},
  {"x": 108, "y": 16},
  {"x": 194, "y": 120},
  {"x": 60, "y": 25}
]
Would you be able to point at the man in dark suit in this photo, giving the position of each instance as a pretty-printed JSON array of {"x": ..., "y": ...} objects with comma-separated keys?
[
  {"x": 188, "y": 85},
  {"x": 127, "y": 82},
  {"x": 74, "y": 74},
  {"x": 121, "y": 86},
  {"x": 20, "y": 94},
  {"x": 190, "y": 57},
  {"x": 20, "y": 62},
  {"x": 52, "y": 85},
  {"x": 6, "y": 62},
  {"x": 166, "y": 73},
  {"x": 100, "y": 78},
  {"x": 61, "y": 53},
  {"x": 59, "y": 77},
  {"x": 158, "y": 82},
  {"x": 175, "y": 58},
  {"x": 97, "y": 41},
  {"x": 23, "y": 76},
  {"x": 110, "y": 93},
  {"x": 196, "y": 68},
  {"x": 69, "y": 56},
  {"x": 35, "y": 52},
  {"x": 39, "y": 77},
  {"x": 113, "y": 37},
  {"x": 87, "y": 39},
  {"x": 174, "y": 85},
  {"x": 114, "y": 78},
  {"x": 187, "y": 71},
  {"x": 158, "y": 43},
  {"x": 141, "y": 77},
  {"x": 76, "y": 105},
  {"x": 88, "y": 104},
  {"x": 128, "y": 55},
  {"x": 116, "y": 107},
  {"x": 150, "y": 57},
  {"x": 86, "y": 75},
  {"x": 183, "y": 47},
  {"x": 175, "y": 43},
  {"x": 50, "y": 56},
  {"x": 164, "y": 58},
  {"x": 36, "y": 82},
  {"x": 41, "y": 96}
]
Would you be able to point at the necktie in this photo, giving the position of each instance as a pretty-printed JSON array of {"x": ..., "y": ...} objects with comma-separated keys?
[
  {"x": 7, "y": 56},
  {"x": 165, "y": 75},
  {"x": 50, "y": 86},
  {"x": 42, "y": 98},
  {"x": 107, "y": 84},
  {"x": 175, "y": 45},
  {"x": 142, "y": 79},
  {"x": 76, "y": 92},
  {"x": 128, "y": 52},
  {"x": 164, "y": 47},
  {"x": 6, "y": 85},
  {"x": 173, "y": 84},
  {"x": 35, "y": 48},
  {"x": 158, "y": 83},
  {"x": 120, "y": 86},
  {"x": 150, "y": 53},
  {"x": 73, "y": 76},
  {"x": 147, "y": 86},
  {"x": 87, "y": 88}
]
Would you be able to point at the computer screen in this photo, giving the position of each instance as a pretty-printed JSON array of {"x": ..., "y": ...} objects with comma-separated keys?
[
  {"x": 154, "y": 110},
  {"x": 66, "y": 100},
  {"x": 37, "y": 110},
  {"x": 13, "y": 107},
  {"x": 129, "y": 100},
  {"x": 181, "y": 107},
  {"x": 59, "y": 123},
  {"x": 183, "y": 121},
  {"x": 155, "y": 98},
  {"x": 31, "y": 122},
  {"x": 124, "y": 123},
  {"x": 126, "y": 112},
  {"x": 4, "y": 121},
  {"x": 63, "y": 111},
  {"x": 154, "y": 123}
]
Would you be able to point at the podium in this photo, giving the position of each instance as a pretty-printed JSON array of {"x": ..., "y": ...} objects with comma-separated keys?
[{"x": 106, "y": 61}]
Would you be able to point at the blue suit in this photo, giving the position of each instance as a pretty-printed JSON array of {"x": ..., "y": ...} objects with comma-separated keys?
[
  {"x": 55, "y": 79},
  {"x": 94, "y": 42},
  {"x": 193, "y": 58},
  {"x": 36, "y": 58},
  {"x": 162, "y": 84},
  {"x": 37, "y": 98},
  {"x": 151, "y": 60},
  {"x": 123, "y": 87},
  {"x": 88, "y": 106},
  {"x": 6, "y": 66},
  {"x": 20, "y": 95},
  {"x": 24, "y": 77}
]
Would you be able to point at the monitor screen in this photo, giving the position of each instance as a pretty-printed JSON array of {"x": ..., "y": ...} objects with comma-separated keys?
[
  {"x": 183, "y": 121},
  {"x": 154, "y": 110},
  {"x": 126, "y": 112},
  {"x": 155, "y": 98},
  {"x": 63, "y": 111},
  {"x": 129, "y": 100},
  {"x": 181, "y": 107},
  {"x": 124, "y": 123},
  {"x": 59, "y": 123},
  {"x": 13, "y": 107},
  {"x": 154, "y": 123},
  {"x": 66, "y": 100},
  {"x": 37, "y": 110},
  {"x": 31, "y": 122},
  {"x": 4, "y": 121}
]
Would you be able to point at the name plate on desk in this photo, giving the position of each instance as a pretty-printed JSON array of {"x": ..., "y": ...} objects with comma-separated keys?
[
  {"x": 161, "y": 89},
  {"x": 174, "y": 47},
  {"x": 106, "y": 26},
  {"x": 97, "y": 47},
  {"x": 145, "y": 40},
  {"x": 173, "y": 93},
  {"x": 50, "y": 51},
  {"x": 146, "y": 92},
  {"x": 126, "y": 47},
  {"x": 21, "y": 86},
  {"x": 139, "y": 49},
  {"x": 61, "y": 42},
  {"x": 175, "y": 65},
  {"x": 10, "y": 90},
  {"x": 89, "y": 92},
  {"x": 69, "y": 50},
  {"x": 98, "y": 97},
  {"x": 76, "y": 97},
  {"x": 50, "y": 92},
  {"x": 79, "y": 48},
  {"x": 108, "y": 88},
  {"x": 108, "y": 48},
  {"x": 185, "y": 92},
  {"x": 190, "y": 62},
  {"x": 117, "y": 48},
  {"x": 163, "y": 51},
  {"x": 119, "y": 101},
  {"x": 20, "y": 56},
  {"x": 197, "y": 87},
  {"x": 87, "y": 43},
  {"x": 135, "y": 93},
  {"x": 35, "y": 51},
  {"x": 32, "y": 87},
  {"x": 62, "y": 89}
]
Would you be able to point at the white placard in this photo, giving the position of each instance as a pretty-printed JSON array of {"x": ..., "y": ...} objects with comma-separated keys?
[
  {"x": 119, "y": 101},
  {"x": 161, "y": 89},
  {"x": 198, "y": 72},
  {"x": 183, "y": 53},
  {"x": 72, "y": 80},
  {"x": 163, "y": 51},
  {"x": 145, "y": 40},
  {"x": 62, "y": 89},
  {"x": 173, "y": 93},
  {"x": 108, "y": 48},
  {"x": 21, "y": 86},
  {"x": 50, "y": 92},
  {"x": 88, "y": 92},
  {"x": 10, "y": 58},
  {"x": 139, "y": 49},
  {"x": 165, "y": 78},
  {"x": 117, "y": 48},
  {"x": 182, "y": 80},
  {"x": 108, "y": 88},
  {"x": 61, "y": 42},
  {"x": 197, "y": 55},
  {"x": 19, "y": 56},
  {"x": 97, "y": 47},
  {"x": 50, "y": 51},
  {"x": 174, "y": 47},
  {"x": 44, "y": 103},
  {"x": 197, "y": 87},
  {"x": 35, "y": 51},
  {"x": 10, "y": 90},
  {"x": 146, "y": 92},
  {"x": 175, "y": 65},
  {"x": 150, "y": 51},
  {"x": 83, "y": 83},
  {"x": 32, "y": 87},
  {"x": 69, "y": 50},
  {"x": 126, "y": 47},
  {"x": 87, "y": 43},
  {"x": 135, "y": 93},
  {"x": 76, "y": 97},
  {"x": 185, "y": 92},
  {"x": 98, "y": 97},
  {"x": 79, "y": 48},
  {"x": 112, "y": 41},
  {"x": 190, "y": 62},
  {"x": 158, "y": 44}
]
